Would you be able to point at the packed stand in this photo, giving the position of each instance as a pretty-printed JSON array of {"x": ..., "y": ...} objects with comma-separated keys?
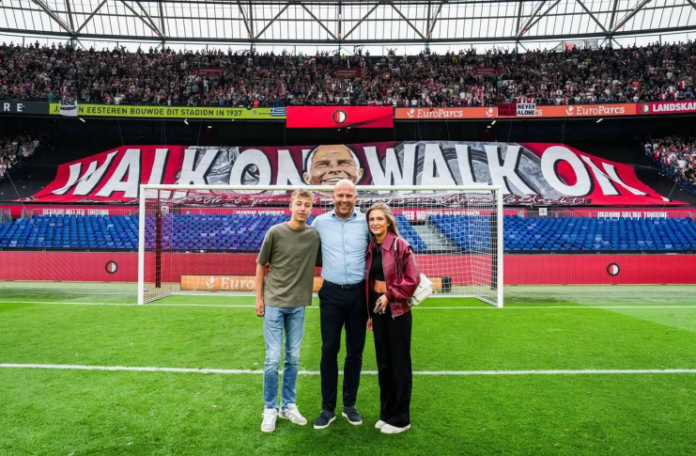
[
  {"x": 464, "y": 78},
  {"x": 676, "y": 157},
  {"x": 14, "y": 151}
]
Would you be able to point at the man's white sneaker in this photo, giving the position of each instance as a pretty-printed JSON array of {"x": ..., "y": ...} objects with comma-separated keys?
[
  {"x": 389, "y": 429},
  {"x": 269, "y": 420},
  {"x": 379, "y": 424},
  {"x": 293, "y": 415}
]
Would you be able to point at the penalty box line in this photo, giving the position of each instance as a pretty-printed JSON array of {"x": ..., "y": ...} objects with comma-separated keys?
[
  {"x": 314, "y": 307},
  {"x": 183, "y": 370}
]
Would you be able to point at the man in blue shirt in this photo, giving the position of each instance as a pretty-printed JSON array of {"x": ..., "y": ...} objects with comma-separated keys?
[{"x": 344, "y": 239}]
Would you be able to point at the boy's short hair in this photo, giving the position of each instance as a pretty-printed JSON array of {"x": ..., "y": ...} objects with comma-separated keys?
[{"x": 302, "y": 193}]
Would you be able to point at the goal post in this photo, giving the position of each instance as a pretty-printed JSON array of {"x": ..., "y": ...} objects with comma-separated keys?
[{"x": 201, "y": 239}]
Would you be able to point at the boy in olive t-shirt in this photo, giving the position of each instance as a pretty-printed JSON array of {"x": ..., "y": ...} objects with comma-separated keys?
[{"x": 291, "y": 249}]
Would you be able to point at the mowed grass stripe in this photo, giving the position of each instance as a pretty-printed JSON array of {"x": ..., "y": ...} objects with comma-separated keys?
[
  {"x": 518, "y": 296},
  {"x": 133, "y": 413},
  {"x": 442, "y": 341}
]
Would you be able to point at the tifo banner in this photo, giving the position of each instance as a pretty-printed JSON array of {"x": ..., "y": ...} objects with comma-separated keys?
[
  {"x": 340, "y": 117},
  {"x": 529, "y": 173},
  {"x": 667, "y": 107},
  {"x": 171, "y": 112}
]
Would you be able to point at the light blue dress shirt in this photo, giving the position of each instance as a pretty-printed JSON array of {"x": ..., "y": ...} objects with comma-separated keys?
[{"x": 343, "y": 246}]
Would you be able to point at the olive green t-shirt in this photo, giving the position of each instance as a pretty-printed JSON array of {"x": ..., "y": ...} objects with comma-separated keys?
[{"x": 292, "y": 255}]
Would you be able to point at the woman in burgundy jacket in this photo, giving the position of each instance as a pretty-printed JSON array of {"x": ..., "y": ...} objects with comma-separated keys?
[{"x": 392, "y": 277}]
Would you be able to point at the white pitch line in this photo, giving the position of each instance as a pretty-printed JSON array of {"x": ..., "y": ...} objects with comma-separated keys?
[
  {"x": 250, "y": 306},
  {"x": 556, "y": 307},
  {"x": 307, "y": 372},
  {"x": 115, "y": 304}
]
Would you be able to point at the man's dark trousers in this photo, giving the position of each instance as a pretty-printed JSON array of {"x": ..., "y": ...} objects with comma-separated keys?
[{"x": 341, "y": 307}]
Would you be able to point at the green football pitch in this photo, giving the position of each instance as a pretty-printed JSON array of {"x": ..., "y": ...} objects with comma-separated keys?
[{"x": 558, "y": 371}]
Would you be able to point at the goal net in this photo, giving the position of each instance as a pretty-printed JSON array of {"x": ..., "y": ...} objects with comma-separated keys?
[{"x": 205, "y": 239}]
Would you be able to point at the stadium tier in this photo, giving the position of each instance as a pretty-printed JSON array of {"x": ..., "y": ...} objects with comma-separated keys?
[
  {"x": 463, "y": 78},
  {"x": 593, "y": 234},
  {"x": 231, "y": 232},
  {"x": 114, "y": 232}
]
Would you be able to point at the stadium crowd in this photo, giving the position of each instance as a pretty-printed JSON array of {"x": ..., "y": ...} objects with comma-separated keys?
[
  {"x": 677, "y": 157},
  {"x": 14, "y": 151},
  {"x": 465, "y": 78}
]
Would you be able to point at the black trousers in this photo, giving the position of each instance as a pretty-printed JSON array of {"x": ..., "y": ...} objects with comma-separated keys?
[
  {"x": 341, "y": 308},
  {"x": 395, "y": 373}
]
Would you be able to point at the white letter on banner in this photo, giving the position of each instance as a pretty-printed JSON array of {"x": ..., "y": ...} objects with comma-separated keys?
[
  {"x": 128, "y": 166},
  {"x": 247, "y": 159},
  {"x": 305, "y": 154},
  {"x": 505, "y": 174},
  {"x": 191, "y": 176},
  {"x": 392, "y": 174},
  {"x": 89, "y": 179},
  {"x": 435, "y": 168},
  {"x": 611, "y": 171},
  {"x": 605, "y": 181},
  {"x": 555, "y": 154},
  {"x": 464, "y": 162},
  {"x": 72, "y": 178},
  {"x": 158, "y": 166},
  {"x": 287, "y": 170}
]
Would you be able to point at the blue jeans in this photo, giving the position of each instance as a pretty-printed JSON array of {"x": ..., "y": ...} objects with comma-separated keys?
[{"x": 274, "y": 321}]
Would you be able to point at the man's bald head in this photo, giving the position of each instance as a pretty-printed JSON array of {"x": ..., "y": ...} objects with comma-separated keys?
[{"x": 344, "y": 185}]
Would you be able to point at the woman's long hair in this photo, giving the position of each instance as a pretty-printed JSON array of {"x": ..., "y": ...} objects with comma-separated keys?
[{"x": 391, "y": 220}]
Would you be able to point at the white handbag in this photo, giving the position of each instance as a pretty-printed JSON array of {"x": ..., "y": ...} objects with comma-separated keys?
[{"x": 425, "y": 287}]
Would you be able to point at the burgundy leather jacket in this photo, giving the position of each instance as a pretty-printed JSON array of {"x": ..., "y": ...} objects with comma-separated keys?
[{"x": 400, "y": 287}]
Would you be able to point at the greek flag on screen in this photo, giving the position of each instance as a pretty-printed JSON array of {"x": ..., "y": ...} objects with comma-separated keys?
[{"x": 278, "y": 112}]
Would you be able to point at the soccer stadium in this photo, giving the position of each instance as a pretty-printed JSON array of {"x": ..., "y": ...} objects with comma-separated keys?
[{"x": 461, "y": 227}]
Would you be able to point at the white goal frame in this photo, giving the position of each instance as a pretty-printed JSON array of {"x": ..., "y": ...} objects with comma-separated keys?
[{"x": 324, "y": 188}]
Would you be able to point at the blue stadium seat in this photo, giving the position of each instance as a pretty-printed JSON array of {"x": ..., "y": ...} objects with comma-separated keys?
[{"x": 246, "y": 232}]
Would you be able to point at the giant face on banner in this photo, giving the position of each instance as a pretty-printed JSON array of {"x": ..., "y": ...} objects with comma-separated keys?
[
  {"x": 528, "y": 173},
  {"x": 326, "y": 165}
]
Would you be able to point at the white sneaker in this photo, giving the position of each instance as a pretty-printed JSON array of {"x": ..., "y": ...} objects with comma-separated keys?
[
  {"x": 269, "y": 420},
  {"x": 380, "y": 424},
  {"x": 389, "y": 429},
  {"x": 293, "y": 414}
]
